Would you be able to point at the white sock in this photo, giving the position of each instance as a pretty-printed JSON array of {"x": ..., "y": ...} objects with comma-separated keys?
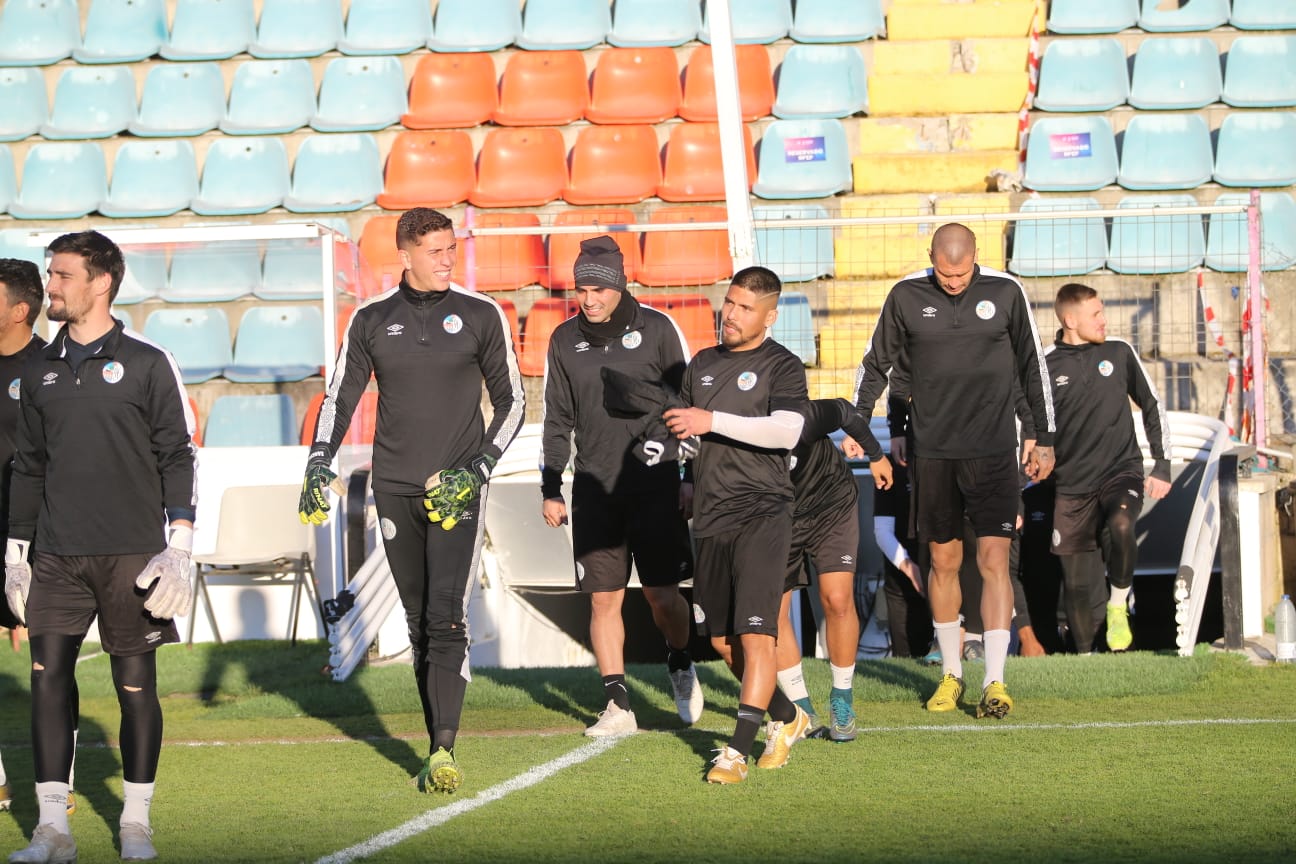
[
  {"x": 996, "y": 654},
  {"x": 947, "y": 637},
  {"x": 792, "y": 683},
  {"x": 3, "y": 778},
  {"x": 137, "y": 799},
  {"x": 52, "y": 798},
  {"x": 971, "y": 637},
  {"x": 72, "y": 771},
  {"x": 842, "y": 676},
  {"x": 1119, "y": 596}
]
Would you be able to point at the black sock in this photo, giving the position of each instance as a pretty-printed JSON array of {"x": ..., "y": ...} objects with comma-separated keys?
[
  {"x": 614, "y": 688},
  {"x": 444, "y": 738},
  {"x": 749, "y": 723},
  {"x": 678, "y": 659},
  {"x": 781, "y": 708}
]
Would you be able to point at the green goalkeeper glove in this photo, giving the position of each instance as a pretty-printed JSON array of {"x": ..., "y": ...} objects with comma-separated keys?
[
  {"x": 451, "y": 492},
  {"x": 313, "y": 505}
]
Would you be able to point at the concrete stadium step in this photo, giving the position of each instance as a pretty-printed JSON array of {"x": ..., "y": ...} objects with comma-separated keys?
[
  {"x": 924, "y": 19},
  {"x": 944, "y": 77},
  {"x": 954, "y": 132}
]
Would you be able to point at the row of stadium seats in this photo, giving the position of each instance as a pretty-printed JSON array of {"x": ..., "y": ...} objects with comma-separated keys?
[
  {"x": 1156, "y": 16},
  {"x": 41, "y": 32},
  {"x": 1168, "y": 74},
  {"x": 220, "y": 273},
  {"x": 274, "y": 343}
]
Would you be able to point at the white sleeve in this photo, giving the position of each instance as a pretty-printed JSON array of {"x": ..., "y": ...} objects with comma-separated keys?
[
  {"x": 781, "y": 430},
  {"x": 885, "y": 535}
]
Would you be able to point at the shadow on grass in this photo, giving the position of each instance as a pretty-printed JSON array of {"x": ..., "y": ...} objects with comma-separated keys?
[{"x": 903, "y": 674}]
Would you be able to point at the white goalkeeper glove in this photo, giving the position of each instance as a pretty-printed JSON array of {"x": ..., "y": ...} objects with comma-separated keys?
[
  {"x": 170, "y": 568},
  {"x": 17, "y": 577}
]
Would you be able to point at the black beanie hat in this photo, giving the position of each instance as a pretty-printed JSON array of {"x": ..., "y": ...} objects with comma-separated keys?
[{"x": 600, "y": 263}]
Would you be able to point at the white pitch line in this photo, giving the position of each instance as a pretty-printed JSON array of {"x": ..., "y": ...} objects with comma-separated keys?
[
  {"x": 1097, "y": 724},
  {"x": 441, "y": 815}
]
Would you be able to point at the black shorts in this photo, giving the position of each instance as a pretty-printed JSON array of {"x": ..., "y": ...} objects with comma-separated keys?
[
  {"x": 68, "y": 591},
  {"x": 827, "y": 542},
  {"x": 607, "y": 530},
  {"x": 739, "y": 581},
  {"x": 985, "y": 489},
  {"x": 1078, "y": 519}
]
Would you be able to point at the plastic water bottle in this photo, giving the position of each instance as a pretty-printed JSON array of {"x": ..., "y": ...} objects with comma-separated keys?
[{"x": 1285, "y": 629}]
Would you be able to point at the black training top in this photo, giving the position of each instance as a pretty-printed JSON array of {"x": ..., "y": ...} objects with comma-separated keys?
[
  {"x": 820, "y": 475},
  {"x": 11, "y": 367}
]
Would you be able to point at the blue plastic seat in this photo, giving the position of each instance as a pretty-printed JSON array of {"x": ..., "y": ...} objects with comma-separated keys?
[
  {"x": 14, "y": 244},
  {"x": 297, "y": 28},
  {"x": 292, "y": 272},
  {"x": 794, "y": 327},
  {"x": 1227, "y": 242},
  {"x": 180, "y": 100},
  {"x": 242, "y": 176},
  {"x": 564, "y": 25},
  {"x": 22, "y": 92},
  {"x": 215, "y": 273},
  {"x": 1256, "y": 149},
  {"x": 151, "y": 178},
  {"x": 1082, "y": 75},
  {"x": 833, "y": 21},
  {"x": 91, "y": 102},
  {"x": 278, "y": 343},
  {"x": 8, "y": 182},
  {"x": 38, "y": 32},
  {"x": 386, "y": 26},
  {"x": 803, "y": 159},
  {"x": 268, "y": 420},
  {"x": 1058, "y": 247},
  {"x": 360, "y": 94},
  {"x": 796, "y": 254},
  {"x": 1166, "y": 151},
  {"x": 1070, "y": 154},
  {"x": 821, "y": 81},
  {"x": 654, "y": 23},
  {"x": 1175, "y": 74},
  {"x": 1092, "y": 16},
  {"x": 1263, "y": 15},
  {"x": 145, "y": 277},
  {"x": 210, "y": 29},
  {"x": 475, "y": 25},
  {"x": 198, "y": 339},
  {"x": 122, "y": 31},
  {"x": 335, "y": 174},
  {"x": 270, "y": 97},
  {"x": 127, "y": 319},
  {"x": 1193, "y": 15},
  {"x": 1261, "y": 72},
  {"x": 61, "y": 180},
  {"x": 754, "y": 21},
  {"x": 1157, "y": 243}
]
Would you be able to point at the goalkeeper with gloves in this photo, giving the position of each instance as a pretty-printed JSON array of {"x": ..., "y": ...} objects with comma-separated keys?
[{"x": 430, "y": 345}]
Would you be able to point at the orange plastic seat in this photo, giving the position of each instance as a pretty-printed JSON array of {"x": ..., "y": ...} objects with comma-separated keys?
[
  {"x": 379, "y": 260},
  {"x": 451, "y": 91},
  {"x": 197, "y": 436},
  {"x": 520, "y": 168},
  {"x": 563, "y": 248},
  {"x": 686, "y": 257},
  {"x": 693, "y": 314},
  {"x": 546, "y": 314},
  {"x": 755, "y": 83},
  {"x": 694, "y": 170},
  {"x": 510, "y": 312},
  {"x": 501, "y": 262},
  {"x": 542, "y": 88},
  {"x": 428, "y": 169},
  {"x": 634, "y": 85},
  {"x": 364, "y": 420},
  {"x": 614, "y": 165}
]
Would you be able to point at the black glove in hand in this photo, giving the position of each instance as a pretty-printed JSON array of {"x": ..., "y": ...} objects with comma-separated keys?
[{"x": 314, "y": 504}]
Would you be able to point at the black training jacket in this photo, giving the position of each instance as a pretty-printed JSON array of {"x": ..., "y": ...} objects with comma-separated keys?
[
  {"x": 11, "y": 367},
  {"x": 820, "y": 475}
]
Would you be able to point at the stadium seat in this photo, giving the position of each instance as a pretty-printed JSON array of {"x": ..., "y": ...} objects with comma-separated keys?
[
  {"x": 378, "y": 252},
  {"x": 145, "y": 277},
  {"x": 697, "y": 257},
  {"x": 122, "y": 31},
  {"x": 1083, "y": 75},
  {"x": 364, "y": 420},
  {"x": 386, "y": 27},
  {"x": 1227, "y": 242},
  {"x": 832, "y": 21},
  {"x": 820, "y": 81},
  {"x": 14, "y": 244},
  {"x": 8, "y": 182},
  {"x": 151, "y": 178},
  {"x": 360, "y": 94},
  {"x": 1262, "y": 15},
  {"x": 291, "y": 271},
  {"x": 1172, "y": 73},
  {"x": 335, "y": 174},
  {"x": 564, "y": 25},
  {"x": 428, "y": 169},
  {"x": 1058, "y": 247},
  {"x": 1092, "y": 16},
  {"x": 1070, "y": 154},
  {"x": 1148, "y": 140},
  {"x": 520, "y": 168},
  {"x": 1256, "y": 148},
  {"x": 38, "y": 32},
  {"x": 563, "y": 248},
  {"x": 91, "y": 102},
  {"x": 210, "y": 29},
  {"x": 1261, "y": 72},
  {"x": 22, "y": 92},
  {"x": 242, "y": 176},
  {"x": 215, "y": 273},
  {"x": 693, "y": 169},
  {"x": 475, "y": 25},
  {"x": 297, "y": 28},
  {"x": 797, "y": 254},
  {"x": 449, "y": 91},
  {"x": 654, "y": 23},
  {"x": 1156, "y": 244},
  {"x": 614, "y": 165},
  {"x": 634, "y": 85},
  {"x": 692, "y": 313},
  {"x": 62, "y": 180},
  {"x": 758, "y": 21},
  {"x": 251, "y": 421},
  {"x": 803, "y": 159},
  {"x": 1192, "y": 15},
  {"x": 755, "y": 83},
  {"x": 198, "y": 339},
  {"x": 794, "y": 327},
  {"x": 501, "y": 262},
  {"x": 546, "y": 314},
  {"x": 180, "y": 100},
  {"x": 127, "y": 319},
  {"x": 270, "y": 97},
  {"x": 543, "y": 88},
  {"x": 278, "y": 343}
]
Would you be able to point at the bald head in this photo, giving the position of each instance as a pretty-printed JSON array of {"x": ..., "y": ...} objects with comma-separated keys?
[{"x": 953, "y": 242}]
